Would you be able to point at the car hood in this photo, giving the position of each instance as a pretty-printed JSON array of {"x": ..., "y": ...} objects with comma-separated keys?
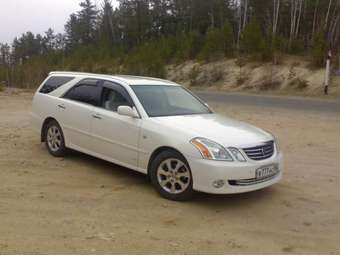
[{"x": 221, "y": 129}]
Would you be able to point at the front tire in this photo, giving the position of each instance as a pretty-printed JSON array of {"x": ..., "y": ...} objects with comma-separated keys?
[
  {"x": 54, "y": 139},
  {"x": 171, "y": 176}
]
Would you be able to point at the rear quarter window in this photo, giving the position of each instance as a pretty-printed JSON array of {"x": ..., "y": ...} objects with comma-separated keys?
[{"x": 54, "y": 82}]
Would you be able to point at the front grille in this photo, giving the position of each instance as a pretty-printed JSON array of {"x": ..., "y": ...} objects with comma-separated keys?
[
  {"x": 252, "y": 181},
  {"x": 260, "y": 152}
]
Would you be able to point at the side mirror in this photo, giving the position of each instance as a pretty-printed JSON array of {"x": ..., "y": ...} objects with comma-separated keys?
[{"x": 127, "y": 111}]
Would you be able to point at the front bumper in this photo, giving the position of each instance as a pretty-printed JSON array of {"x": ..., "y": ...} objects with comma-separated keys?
[{"x": 205, "y": 172}]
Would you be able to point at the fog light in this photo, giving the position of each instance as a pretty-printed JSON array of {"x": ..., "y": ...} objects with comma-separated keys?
[{"x": 218, "y": 184}]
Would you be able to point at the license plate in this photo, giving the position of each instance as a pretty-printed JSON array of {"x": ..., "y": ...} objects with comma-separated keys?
[{"x": 266, "y": 171}]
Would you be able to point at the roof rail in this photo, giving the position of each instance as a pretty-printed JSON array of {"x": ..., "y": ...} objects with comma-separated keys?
[
  {"x": 76, "y": 73},
  {"x": 119, "y": 77},
  {"x": 143, "y": 77}
]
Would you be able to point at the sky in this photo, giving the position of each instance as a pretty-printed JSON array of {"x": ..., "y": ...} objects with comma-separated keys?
[{"x": 19, "y": 16}]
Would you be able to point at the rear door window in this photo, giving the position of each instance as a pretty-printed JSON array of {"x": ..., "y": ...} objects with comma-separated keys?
[
  {"x": 54, "y": 82},
  {"x": 87, "y": 91}
]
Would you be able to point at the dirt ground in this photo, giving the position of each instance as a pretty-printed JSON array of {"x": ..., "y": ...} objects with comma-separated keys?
[{"x": 82, "y": 205}]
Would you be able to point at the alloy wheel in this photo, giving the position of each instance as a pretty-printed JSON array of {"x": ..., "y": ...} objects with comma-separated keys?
[
  {"x": 54, "y": 138},
  {"x": 173, "y": 176}
]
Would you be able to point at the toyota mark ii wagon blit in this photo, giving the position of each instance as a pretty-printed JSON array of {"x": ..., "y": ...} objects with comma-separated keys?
[{"x": 156, "y": 127}]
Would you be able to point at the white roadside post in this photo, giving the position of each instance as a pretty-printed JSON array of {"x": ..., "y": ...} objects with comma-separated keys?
[{"x": 328, "y": 71}]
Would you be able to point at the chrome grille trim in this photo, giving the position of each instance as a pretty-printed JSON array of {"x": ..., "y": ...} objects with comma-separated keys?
[
  {"x": 252, "y": 181},
  {"x": 260, "y": 152}
]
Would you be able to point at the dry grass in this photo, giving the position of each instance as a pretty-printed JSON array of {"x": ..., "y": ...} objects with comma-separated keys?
[
  {"x": 241, "y": 79},
  {"x": 298, "y": 84},
  {"x": 292, "y": 75},
  {"x": 269, "y": 85},
  {"x": 194, "y": 75}
]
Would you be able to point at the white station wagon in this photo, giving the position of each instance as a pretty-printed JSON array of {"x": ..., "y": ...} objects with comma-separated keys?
[{"x": 155, "y": 127}]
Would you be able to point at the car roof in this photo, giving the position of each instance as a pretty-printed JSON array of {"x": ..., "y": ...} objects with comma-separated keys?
[{"x": 129, "y": 79}]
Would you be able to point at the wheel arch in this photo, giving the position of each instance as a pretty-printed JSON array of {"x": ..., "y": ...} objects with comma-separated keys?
[
  {"x": 43, "y": 127},
  {"x": 160, "y": 150}
]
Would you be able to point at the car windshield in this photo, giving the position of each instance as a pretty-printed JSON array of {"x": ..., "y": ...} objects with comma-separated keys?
[{"x": 162, "y": 100}]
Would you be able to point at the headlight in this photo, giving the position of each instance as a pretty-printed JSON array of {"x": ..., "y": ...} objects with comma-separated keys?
[
  {"x": 237, "y": 154},
  {"x": 211, "y": 150}
]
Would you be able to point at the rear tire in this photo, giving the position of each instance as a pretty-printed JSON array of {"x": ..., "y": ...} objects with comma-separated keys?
[
  {"x": 171, "y": 176},
  {"x": 54, "y": 139}
]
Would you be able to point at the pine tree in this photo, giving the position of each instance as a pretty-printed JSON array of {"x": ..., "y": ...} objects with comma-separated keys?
[
  {"x": 87, "y": 18},
  {"x": 106, "y": 26},
  {"x": 72, "y": 32}
]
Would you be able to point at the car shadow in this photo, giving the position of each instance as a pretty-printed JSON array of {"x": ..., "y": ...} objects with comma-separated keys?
[
  {"x": 235, "y": 200},
  {"x": 138, "y": 180},
  {"x": 106, "y": 167}
]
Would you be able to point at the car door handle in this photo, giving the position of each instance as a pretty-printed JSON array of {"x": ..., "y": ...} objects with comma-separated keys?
[
  {"x": 61, "y": 106},
  {"x": 97, "y": 116}
]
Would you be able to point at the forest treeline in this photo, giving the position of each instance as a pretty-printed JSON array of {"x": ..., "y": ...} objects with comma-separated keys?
[{"x": 142, "y": 36}]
